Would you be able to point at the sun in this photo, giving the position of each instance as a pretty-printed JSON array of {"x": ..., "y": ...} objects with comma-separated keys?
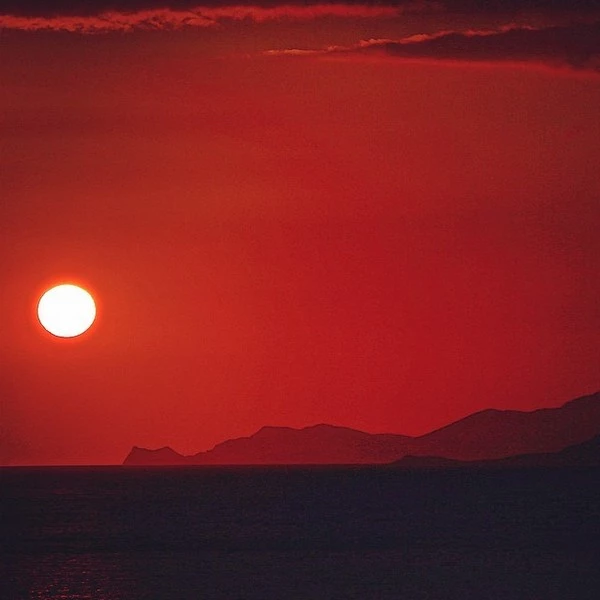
[{"x": 66, "y": 310}]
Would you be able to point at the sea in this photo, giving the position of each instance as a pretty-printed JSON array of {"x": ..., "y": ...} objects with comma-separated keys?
[{"x": 310, "y": 533}]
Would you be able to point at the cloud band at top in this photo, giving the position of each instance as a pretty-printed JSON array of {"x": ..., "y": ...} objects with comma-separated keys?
[{"x": 203, "y": 16}]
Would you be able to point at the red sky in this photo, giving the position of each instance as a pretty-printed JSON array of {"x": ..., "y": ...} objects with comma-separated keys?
[{"x": 383, "y": 216}]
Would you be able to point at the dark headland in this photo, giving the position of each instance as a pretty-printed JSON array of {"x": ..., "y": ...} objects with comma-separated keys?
[{"x": 567, "y": 435}]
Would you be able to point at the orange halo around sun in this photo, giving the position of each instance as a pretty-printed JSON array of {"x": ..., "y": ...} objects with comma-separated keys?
[{"x": 66, "y": 310}]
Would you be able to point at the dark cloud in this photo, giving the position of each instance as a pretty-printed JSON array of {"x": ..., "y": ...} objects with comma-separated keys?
[
  {"x": 41, "y": 8},
  {"x": 548, "y": 31},
  {"x": 97, "y": 16},
  {"x": 146, "y": 14},
  {"x": 576, "y": 46},
  {"x": 200, "y": 16},
  {"x": 48, "y": 8}
]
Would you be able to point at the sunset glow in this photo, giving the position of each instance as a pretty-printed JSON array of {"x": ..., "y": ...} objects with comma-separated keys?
[{"x": 375, "y": 215}]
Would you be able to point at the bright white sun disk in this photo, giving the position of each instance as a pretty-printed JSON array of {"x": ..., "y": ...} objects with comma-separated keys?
[{"x": 66, "y": 310}]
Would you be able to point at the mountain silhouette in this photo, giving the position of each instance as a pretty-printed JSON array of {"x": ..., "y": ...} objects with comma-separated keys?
[
  {"x": 160, "y": 456},
  {"x": 318, "y": 444},
  {"x": 486, "y": 435},
  {"x": 499, "y": 433},
  {"x": 586, "y": 454}
]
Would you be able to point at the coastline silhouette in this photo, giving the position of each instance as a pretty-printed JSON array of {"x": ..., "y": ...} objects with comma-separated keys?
[{"x": 567, "y": 434}]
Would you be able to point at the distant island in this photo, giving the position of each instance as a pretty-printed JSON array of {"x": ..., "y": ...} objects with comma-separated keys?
[
  {"x": 586, "y": 454},
  {"x": 568, "y": 435}
]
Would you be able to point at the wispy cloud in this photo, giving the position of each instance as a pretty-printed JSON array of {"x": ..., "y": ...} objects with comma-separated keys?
[
  {"x": 576, "y": 45},
  {"x": 204, "y": 16}
]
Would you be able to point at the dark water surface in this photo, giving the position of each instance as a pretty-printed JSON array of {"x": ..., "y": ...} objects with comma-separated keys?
[{"x": 314, "y": 533}]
